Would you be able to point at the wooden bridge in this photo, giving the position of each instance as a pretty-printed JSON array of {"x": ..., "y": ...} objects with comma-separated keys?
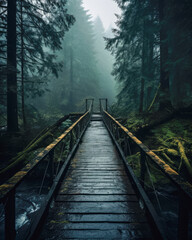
[{"x": 93, "y": 192}]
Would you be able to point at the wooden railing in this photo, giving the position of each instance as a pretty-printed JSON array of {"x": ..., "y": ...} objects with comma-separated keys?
[
  {"x": 63, "y": 148},
  {"x": 127, "y": 143}
]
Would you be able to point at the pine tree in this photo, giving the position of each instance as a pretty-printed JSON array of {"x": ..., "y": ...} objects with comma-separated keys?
[
  {"x": 164, "y": 74},
  {"x": 12, "y": 113},
  {"x": 79, "y": 76},
  {"x": 34, "y": 32},
  {"x": 179, "y": 39},
  {"x": 153, "y": 51},
  {"x": 104, "y": 61},
  {"x": 135, "y": 47}
]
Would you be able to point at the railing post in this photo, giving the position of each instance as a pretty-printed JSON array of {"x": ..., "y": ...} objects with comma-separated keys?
[
  {"x": 100, "y": 105},
  {"x": 71, "y": 140},
  {"x": 129, "y": 147},
  {"x": 125, "y": 146},
  {"x": 183, "y": 218},
  {"x": 106, "y": 104},
  {"x": 78, "y": 130},
  {"x": 117, "y": 133},
  {"x": 51, "y": 164},
  {"x": 92, "y": 105},
  {"x": 143, "y": 168},
  {"x": 10, "y": 231},
  {"x": 112, "y": 128},
  {"x": 86, "y": 103}
]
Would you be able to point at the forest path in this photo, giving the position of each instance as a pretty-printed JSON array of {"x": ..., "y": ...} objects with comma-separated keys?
[{"x": 96, "y": 199}]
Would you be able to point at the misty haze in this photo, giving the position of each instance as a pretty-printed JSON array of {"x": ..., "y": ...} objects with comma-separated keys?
[{"x": 95, "y": 119}]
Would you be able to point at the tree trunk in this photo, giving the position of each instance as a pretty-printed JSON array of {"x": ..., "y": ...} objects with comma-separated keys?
[
  {"x": 147, "y": 59},
  {"x": 150, "y": 62},
  {"x": 143, "y": 68},
  {"x": 12, "y": 112},
  {"x": 164, "y": 74},
  {"x": 22, "y": 68},
  {"x": 71, "y": 80}
]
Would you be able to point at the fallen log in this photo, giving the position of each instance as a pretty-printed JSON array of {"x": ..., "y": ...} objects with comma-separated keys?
[{"x": 184, "y": 159}]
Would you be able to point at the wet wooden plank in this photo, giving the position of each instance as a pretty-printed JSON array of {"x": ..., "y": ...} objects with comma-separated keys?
[
  {"x": 105, "y": 169},
  {"x": 99, "y": 191},
  {"x": 97, "y": 165},
  {"x": 92, "y": 179},
  {"x": 58, "y": 225},
  {"x": 96, "y": 199},
  {"x": 94, "y": 218},
  {"x": 94, "y": 185},
  {"x": 98, "y": 207},
  {"x": 98, "y": 234},
  {"x": 97, "y": 173},
  {"x": 97, "y": 158},
  {"x": 106, "y": 164}
]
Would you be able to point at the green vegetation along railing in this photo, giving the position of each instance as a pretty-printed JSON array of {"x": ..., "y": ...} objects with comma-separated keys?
[
  {"x": 127, "y": 144},
  {"x": 55, "y": 159}
]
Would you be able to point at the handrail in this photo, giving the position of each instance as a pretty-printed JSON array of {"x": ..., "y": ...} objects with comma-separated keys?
[
  {"x": 7, "y": 190},
  {"x": 185, "y": 188},
  {"x": 20, "y": 175},
  {"x": 174, "y": 176}
]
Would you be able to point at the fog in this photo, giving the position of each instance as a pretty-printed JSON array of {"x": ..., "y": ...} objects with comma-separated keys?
[{"x": 105, "y": 9}]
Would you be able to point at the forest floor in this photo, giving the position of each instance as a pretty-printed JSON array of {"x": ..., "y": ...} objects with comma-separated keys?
[{"x": 168, "y": 134}]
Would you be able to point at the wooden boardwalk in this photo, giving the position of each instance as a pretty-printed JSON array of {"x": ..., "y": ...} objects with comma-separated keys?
[{"x": 96, "y": 199}]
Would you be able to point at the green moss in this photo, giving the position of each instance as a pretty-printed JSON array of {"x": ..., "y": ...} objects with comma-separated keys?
[
  {"x": 59, "y": 222},
  {"x": 155, "y": 177},
  {"x": 172, "y": 152},
  {"x": 135, "y": 122},
  {"x": 161, "y": 132},
  {"x": 134, "y": 162}
]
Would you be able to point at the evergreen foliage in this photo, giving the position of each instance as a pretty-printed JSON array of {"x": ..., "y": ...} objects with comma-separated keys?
[
  {"x": 78, "y": 77},
  {"x": 40, "y": 29},
  {"x": 152, "y": 47},
  {"x": 104, "y": 61},
  {"x": 86, "y": 65}
]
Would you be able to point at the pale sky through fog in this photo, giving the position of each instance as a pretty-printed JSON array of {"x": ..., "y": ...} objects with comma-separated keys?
[{"x": 105, "y": 9}]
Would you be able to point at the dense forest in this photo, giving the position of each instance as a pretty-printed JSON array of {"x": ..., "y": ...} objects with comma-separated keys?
[
  {"x": 59, "y": 60},
  {"x": 55, "y": 58},
  {"x": 54, "y": 55},
  {"x": 152, "y": 47}
]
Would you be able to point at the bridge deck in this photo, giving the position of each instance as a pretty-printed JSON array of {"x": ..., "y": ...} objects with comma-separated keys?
[{"x": 96, "y": 199}]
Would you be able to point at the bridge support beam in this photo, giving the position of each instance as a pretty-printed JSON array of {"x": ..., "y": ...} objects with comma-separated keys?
[
  {"x": 10, "y": 231},
  {"x": 143, "y": 168},
  {"x": 183, "y": 218},
  {"x": 106, "y": 103},
  {"x": 86, "y": 103},
  {"x": 51, "y": 164}
]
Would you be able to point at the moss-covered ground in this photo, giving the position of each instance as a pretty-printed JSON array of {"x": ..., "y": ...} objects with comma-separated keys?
[{"x": 168, "y": 135}]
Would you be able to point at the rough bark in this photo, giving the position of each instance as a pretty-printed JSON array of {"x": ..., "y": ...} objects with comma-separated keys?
[
  {"x": 144, "y": 67},
  {"x": 71, "y": 79},
  {"x": 164, "y": 74},
  {"x": 12, "y": 112},
  {"x": 22, "y": 68}
]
